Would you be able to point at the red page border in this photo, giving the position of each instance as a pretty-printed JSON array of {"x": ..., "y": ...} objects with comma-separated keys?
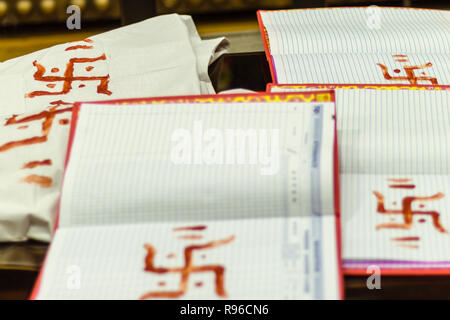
[
  {"x": 266, "y": 43},
  {"x": 243, "y": 98}
]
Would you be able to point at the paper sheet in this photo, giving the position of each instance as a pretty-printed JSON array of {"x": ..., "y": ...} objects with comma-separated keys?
[
  {"x": 363, "y": 68},
  {"x": 231, "y": 223},
  {"x": 232, "y": 261},
  {"x": 122, "y": 166},
  {"x": 358, "y": 45},
  {"x": 395, "y": 169}
]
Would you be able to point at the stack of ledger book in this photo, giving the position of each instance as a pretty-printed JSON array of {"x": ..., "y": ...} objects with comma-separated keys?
[{"x": 341, "y": 167}]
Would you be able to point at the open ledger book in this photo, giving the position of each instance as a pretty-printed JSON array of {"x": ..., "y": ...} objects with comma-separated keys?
[
  {"x": 199, "y": 198},
  {"x": 357, "y": 45},
  {"x": 394, "y": 164}
]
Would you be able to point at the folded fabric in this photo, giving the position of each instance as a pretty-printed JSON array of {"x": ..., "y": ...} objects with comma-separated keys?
[{"x": 157, "y": 57}]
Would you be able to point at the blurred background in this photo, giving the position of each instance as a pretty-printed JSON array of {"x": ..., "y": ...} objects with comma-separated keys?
[{"x": 29, "y": 25}]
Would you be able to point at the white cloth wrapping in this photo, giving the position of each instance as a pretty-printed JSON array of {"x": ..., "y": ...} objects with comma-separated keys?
[{"x": 158, "y": 57}]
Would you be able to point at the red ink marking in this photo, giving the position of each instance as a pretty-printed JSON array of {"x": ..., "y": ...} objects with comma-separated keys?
[
  {"x": 90, "y": 68},
  {"x": 422, "y": 220},
  {"x": 411, "y": 246},
  {"x": 69, "y": 78},
  {"x": 25, "y": 142},
  {"x": 410, "y": 74},
  {"x": 42, "y": 181},
  {"x": 51, "y": 85},
  {"x": 190, "y": 237},
  {"x": 59, "y": 103},
  {"x": 186, "y": 270},
  {"x": 402, "y": 186},
  {"x": 170, "y": 256},
  {"x": 399, "y": 56},
  {"x": 48, "y": 117},
  {"x": 22, "y": 127},
  {"x": 406, "y": 239},
  {"x": 54, "y": 70},
  {"x": 399, "y": 180},
  {"x": 81, "y": 86},
  {"x": 161, "y": 283},
  {"x": 63, "y": 122},
  {"x": 193, "y": 228},
  {"x": 34, "y": 164},
  {"x": 79, "y": 47},
  {"x": 421, "y": 205},
  {"x": 199, "y": 284},
  {"x": 408, "y": 213}
]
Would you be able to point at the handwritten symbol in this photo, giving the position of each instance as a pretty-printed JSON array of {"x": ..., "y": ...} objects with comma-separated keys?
[
  {"x": 409, "y": 71},
  {"x": 401, "y": 184},
  {"x": 407, "y": 212},
  {"x": 406, "y": 239},
  {"x": 69, "y": 77},
  {"x": 85, "y": 47},
  {"x": 47, "y": 116},
  {"x": 188, "y": 269}
]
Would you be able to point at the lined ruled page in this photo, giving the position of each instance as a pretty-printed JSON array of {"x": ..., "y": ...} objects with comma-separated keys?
[
  {"x": 359, "y": 45},
  {"x": 393, "y": 131},
  {"x": 361, "y": 68},
  {"x": 231, "y": 231},
  {"x": 121, "y": 168},
  {"x": 394, "y": 145},
  {"x": 252, "y": 259},
  {"x": 356, "y": 30},
  {"x": 381, "y": 235}
]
